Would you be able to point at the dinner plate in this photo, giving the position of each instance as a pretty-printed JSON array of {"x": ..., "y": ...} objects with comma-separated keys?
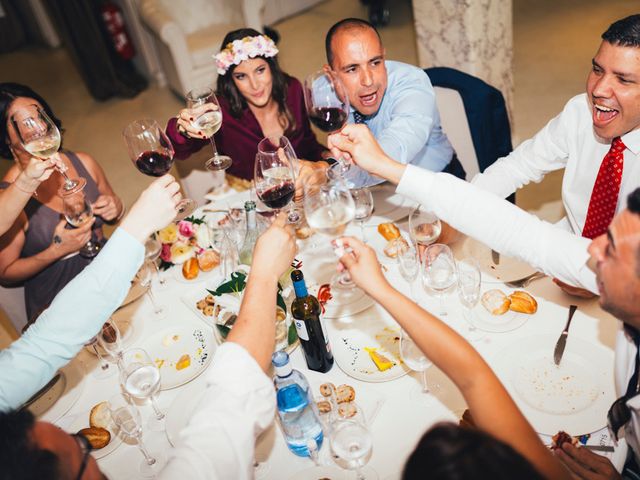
[
  {"x": 348, "y": 345},
  {"x": 389, "y": 206},
  {"x": 573, "y": 397},
  {"x": 507, "y": 270},
  {"x": 53, "y": 404},
  {"x": 82, "y": 421},
  {"x": 167, "y": 347},
  {"x": 507, "y": 322}
]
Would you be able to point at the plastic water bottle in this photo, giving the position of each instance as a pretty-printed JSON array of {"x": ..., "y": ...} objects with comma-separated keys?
[{"x": 296, "y": 408}]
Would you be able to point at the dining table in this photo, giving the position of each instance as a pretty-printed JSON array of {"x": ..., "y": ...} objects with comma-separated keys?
[{"x": 398, "y": 413}]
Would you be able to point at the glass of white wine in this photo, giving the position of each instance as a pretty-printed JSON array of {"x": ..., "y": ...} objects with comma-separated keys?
[
  {"x": 363, "y": 200},
  {"x": 208, "y": 123},
  {"x": 469, "y": 285},
  {"x": 40, "y": 136},
  {"x": 424, "y": 227},
  {"x": 77, "y": 211}
]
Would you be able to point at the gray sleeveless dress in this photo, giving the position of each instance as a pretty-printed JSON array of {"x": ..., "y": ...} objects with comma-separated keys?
[{"x": 41, "y": 289}]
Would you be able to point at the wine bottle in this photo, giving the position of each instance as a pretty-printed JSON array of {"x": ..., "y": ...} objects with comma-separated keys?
[
  {"x": 251, "y": 235},
  {"x": 313, "y": 337}
]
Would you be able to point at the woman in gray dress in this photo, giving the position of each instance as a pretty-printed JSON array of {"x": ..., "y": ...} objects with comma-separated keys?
[{"x": 39, "y": 250}]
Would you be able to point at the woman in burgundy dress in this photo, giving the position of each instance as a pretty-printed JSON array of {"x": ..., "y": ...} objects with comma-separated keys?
[{"x": 257, "y": 99}]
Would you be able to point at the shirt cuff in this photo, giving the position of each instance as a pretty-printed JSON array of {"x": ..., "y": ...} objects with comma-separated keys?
[{"x": 416, "y": 179}]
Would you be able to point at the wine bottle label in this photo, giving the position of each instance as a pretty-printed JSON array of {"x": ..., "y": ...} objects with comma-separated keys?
[
  {"x": 325, "y": 334},
  {"x": 301, "y": 328}
]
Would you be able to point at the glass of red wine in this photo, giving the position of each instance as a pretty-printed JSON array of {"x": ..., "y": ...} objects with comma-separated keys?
[
  {"x": 327, "y": 105},
  {"x": 274, "y": 174},
  {"x": 151, "y": 152}
]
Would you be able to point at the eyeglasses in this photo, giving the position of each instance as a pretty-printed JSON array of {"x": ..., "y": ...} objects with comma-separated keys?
[
  {"x": 618, "y": 415},
  {"x": 85, "y": 448}
]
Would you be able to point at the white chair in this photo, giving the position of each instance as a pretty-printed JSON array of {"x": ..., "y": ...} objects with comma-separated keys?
[
  {"x": 12, "y": 303},
  {"x": 455, "y": 125}
]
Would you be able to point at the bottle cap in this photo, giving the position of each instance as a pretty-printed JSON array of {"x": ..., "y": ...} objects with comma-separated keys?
[
  {"x": 280, "y": 358},
  {"x": 297, "y": 275}
]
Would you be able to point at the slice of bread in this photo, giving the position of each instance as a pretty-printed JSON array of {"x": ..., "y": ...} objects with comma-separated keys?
[{"x": 100, "y": 416}]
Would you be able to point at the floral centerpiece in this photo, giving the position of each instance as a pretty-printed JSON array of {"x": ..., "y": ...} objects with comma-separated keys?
[{"x": 183, "y": 240}]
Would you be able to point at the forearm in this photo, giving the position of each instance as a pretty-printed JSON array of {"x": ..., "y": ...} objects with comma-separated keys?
[
  {"x": 255, "y": 327},
  {"x": 24, "y": 268},
  {"x": 13, "y": 199},
  {"x": 183, "y": 146}
]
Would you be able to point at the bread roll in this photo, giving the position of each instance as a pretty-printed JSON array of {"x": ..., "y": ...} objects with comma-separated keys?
[
  {"x": 208, "y": 260},
  {"x": 523, "y": 302},
  {"x": 396, "y": 247},
  {"x": 190, "y": 269},
  {"x": 98, "y": 437},
  {"x": 100, "y": 416},
  {"x": 345, "y": 393},
  {"x": 389, "y": 231},
  {"x": 495, "y": 301}
]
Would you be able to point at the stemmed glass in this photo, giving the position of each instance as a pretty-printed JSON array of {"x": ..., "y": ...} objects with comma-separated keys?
[
  {"x": 274, "y": 174},
  {"x": 439, "y": 271},
  {"x": 469, "y": 283},
  {"x": 110, "y": 339},
  {"x": 424, "y": 227},
  {"x": 352, "y": 445},
  {"x": 77, "y": 211},
  {"x": 327, "y": 104},
  {"x": 140, "y": 378},
  {"x": 145, "y": 277},
  {"x": 209, "y": 123},
  {"x": 40, "y": 136},
  {"x": 408, "y": 265},
  {"x": 417, "y": 361},
  {"x": 151, "y": 152},
  {"x": 152, "y": 250},
  {"x": 105, "y": 370},
  {"x": 127, "y": 418},
  {"x": 363, "y": 201}
]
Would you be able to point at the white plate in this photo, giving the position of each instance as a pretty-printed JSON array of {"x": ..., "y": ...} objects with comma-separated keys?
[
  {"x": 51, "y": 407},
  {"x": 166, "y": 350},
  {"x": 573, "y": 397},
  {"x": 388, "y": 205},
  {"x": 176, "y": 273},
  {"x": 193, "y": 297},
  {"x": 82, "y": 421},
  {"x": 507, "y": 270},
  {"x": 378, "y": 242},
  {"x": 135, "y": 292},
  {"x": 507, "y": 322},
  {"x": 348, "y": 351}
]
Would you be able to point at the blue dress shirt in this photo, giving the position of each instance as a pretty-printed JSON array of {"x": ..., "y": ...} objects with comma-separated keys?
[
  {"x": 74, "y": 317},
  {"x": 407, "y": 124}
]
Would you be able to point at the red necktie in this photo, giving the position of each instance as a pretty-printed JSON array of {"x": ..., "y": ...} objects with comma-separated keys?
[{"x": 604, "y": 196}]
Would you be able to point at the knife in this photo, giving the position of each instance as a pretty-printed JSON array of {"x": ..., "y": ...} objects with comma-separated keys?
[
  {"x": 562, "y": 341},
  {"x": 495, "y": 256},
  {"x": 599, "y": 448},
  {"x": 42, "y": 391}
]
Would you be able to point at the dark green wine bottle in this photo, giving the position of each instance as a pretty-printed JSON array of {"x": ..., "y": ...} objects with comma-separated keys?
[{"x": 313, "y": 337}]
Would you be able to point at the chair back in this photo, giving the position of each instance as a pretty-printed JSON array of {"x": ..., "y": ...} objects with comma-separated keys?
[{"x": 12, "y": 303}]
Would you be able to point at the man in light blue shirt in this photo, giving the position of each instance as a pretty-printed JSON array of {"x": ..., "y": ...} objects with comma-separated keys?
[
  {"x": 395, "y": 100},
  {"x": 80, "y": 309}
]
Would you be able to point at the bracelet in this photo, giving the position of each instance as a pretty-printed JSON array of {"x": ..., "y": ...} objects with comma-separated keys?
[{"x": 15, "y": 184}]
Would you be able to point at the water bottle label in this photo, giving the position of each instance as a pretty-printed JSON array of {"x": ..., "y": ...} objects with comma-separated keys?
[{"x": 301, "y": 328}]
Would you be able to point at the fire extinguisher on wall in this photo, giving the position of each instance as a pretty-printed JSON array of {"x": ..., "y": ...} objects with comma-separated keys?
[{"x": 114, "y": 23}]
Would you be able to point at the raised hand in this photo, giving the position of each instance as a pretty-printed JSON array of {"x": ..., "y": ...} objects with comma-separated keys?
[
  {"x": 275, "y": 249},
  {"x": 70, "y": 240},
  {"x": 107, "y": 206},
  {"x": 186, "y": 116},
  {"x": 586, "y": 465},
  {"x": 362, "y": 263}
]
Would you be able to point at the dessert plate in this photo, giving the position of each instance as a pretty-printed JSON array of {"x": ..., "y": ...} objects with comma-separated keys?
[
  {"x": 82, "y": 421},
  {"x": 507, "y": 322},
  {"x": 166, "y": 348},
  {"x": 507, "y": 270},
  {"x": 574, "y": 396}
]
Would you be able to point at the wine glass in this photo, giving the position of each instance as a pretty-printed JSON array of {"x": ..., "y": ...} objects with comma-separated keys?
[
  {"x": 363, "y": 201},
  {"x": 424, "y": 227},
  {"x": 127, "y": 418},
  {"x": 105, "y": 369},
  {"x": 352, "y": 444},
  {"x": 274, "y": 174},
  {"x": 152, "y": 250},
  {"x": 140, "y": 378},
  {"x": 209, "y": 123},
  {"x": 77, "y": 211},
  {"x": 145, "y": 277},
  {"x": 327, "y": 104},
  {"x": 417, "y": 361},
  {"x": 151, "y": 152},
  {"x": 469, "y": 283},
  {"x": 110, "y": 339},
  {"x": 408, "y": 265},
  {"x": 439, "y": 271},
  {"x": 40, "y": 136}
]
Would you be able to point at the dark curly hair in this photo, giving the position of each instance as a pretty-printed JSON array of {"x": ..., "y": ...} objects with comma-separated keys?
[
  {"x": 625, "y": 32},
  {"x": 20, "y": 458},
  {"x": 227, "y": 88},
  {"x": 9, "y": 91},
  {"x": 450, "y": 452}
]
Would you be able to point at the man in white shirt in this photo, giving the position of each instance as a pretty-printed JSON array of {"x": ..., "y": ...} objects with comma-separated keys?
[
  {"x": 239, "y": 402},
  {"x": 581, "y": 136}
]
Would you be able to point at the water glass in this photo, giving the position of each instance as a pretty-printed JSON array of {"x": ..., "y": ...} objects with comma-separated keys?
[
  {"x": 363, "y": 200},
  {"x": 469, "y": 286},
  {"x": 439, "y": 271},
  {"x": 352, "y": 444}
]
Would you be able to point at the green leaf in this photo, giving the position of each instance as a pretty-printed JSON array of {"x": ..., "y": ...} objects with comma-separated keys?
[
  {"x": 224, "y": 331},
  {"x": 280, "y": 303},
  {"x": 165, "y": 265},
  {"x": 236, "y": 285},
  {"x": 195, "y": 220},
  {"x": 292, "y": 334}
]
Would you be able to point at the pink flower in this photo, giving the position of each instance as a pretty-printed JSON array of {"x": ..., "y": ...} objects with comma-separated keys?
[
  {"x": 165, "y": 253},
  {"x": 186, "y": 229}
]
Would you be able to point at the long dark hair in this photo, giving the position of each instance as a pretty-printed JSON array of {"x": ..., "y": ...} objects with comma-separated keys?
[
  {"x": 227, "y": 88},
  {"x": 450, "y": 452},
  {"x": 8, "y": 93}
]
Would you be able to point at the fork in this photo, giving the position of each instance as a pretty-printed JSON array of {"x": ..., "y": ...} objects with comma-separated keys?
[{"x": 523, "y": 282}]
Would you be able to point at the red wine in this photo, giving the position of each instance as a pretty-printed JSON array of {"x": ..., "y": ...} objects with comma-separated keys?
[
  {"x": 313, "y": 336},
  {"x": 278, "y": 196},
  {"x": 328, "y": 119},
  {"x": 154, "y": 163}
]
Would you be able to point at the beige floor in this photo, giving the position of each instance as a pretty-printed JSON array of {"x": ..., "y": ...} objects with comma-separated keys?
[{"x": 554, "y": 41}]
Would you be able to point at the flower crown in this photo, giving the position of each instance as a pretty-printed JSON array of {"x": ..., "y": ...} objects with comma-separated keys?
[{"x": 240, "y": 50}]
